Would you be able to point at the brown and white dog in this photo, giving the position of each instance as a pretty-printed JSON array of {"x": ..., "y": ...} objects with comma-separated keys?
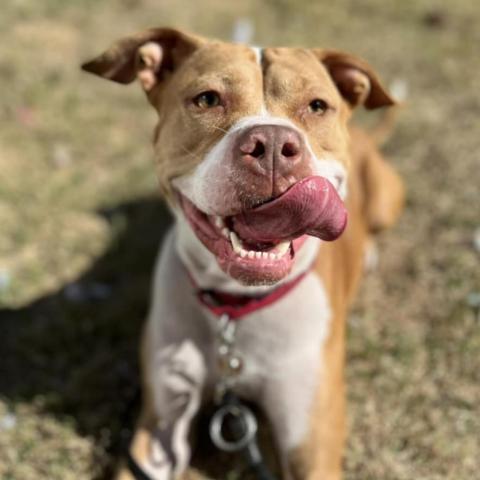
[{"x": 257, "y": 160}]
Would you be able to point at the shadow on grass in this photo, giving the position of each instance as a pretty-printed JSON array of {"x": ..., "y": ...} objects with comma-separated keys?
[{"x": 75, "y": 352}]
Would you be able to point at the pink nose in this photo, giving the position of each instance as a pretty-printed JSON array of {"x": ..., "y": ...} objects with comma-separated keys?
[{"x": 271, "y": 150}]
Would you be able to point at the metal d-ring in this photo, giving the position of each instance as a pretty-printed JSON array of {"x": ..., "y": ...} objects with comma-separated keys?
[{"x": 241, "y": 412}]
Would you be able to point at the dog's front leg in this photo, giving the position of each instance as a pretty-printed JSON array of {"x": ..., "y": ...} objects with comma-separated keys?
[
  {"x": 308, "y": 419},
  {"x": 160, "y": 445},
  {"x": 320, "y": 455}
]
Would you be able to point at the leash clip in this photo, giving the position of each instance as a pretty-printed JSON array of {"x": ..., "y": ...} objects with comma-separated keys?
[{"x": 233, "y": 427}]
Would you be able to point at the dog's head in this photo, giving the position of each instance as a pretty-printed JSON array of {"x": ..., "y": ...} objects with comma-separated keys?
[{"x": 251, "y": 144}]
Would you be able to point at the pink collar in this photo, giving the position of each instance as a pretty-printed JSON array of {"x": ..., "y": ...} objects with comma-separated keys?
[{"x": 237, "y": 306}]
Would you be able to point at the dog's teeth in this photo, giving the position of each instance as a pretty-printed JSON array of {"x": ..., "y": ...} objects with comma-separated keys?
[
  {"x": 219, "y": 223},
  {"x": 237, "y": 246},
  {"x": 282, "y": 248}
]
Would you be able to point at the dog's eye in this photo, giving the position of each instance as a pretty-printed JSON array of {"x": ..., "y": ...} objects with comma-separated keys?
[
  {"x": 318, "y": 106},
  {"x": 208, "y": 99}
]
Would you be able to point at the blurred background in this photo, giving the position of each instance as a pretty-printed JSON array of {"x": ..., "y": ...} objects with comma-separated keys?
[{"x": 80, "y": 223}]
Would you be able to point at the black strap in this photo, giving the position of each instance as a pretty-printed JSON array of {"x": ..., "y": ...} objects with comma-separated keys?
[
  {"x": 135, "y": 469},
  {"x": 260, "y": 471}
]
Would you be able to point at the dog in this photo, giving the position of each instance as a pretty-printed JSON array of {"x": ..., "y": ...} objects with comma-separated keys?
[{"x": 261, "y": 168}]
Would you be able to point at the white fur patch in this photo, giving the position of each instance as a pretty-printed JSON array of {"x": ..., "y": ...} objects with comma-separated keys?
[
  {"x": 203, "y": 184},
  {"x": 258, "y": 54}
]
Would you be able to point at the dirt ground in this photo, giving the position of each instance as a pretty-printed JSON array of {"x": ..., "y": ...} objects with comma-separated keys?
[{"x": 80, "y": 222}]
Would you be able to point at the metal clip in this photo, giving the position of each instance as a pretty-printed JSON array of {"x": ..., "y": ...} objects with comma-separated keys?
[{"x": 241, "y": 422}]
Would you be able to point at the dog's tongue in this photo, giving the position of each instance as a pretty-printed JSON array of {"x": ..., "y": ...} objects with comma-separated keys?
[{"x": 311, "y": 206}]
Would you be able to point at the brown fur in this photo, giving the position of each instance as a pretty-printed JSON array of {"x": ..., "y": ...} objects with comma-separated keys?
[{"x": 291, "y": 77}]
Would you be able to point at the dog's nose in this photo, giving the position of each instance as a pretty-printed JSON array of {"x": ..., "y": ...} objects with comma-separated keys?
[{"x": 271, "y": 150}]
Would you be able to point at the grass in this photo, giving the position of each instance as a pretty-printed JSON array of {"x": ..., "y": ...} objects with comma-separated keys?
[{"x": 80, "y": 224}]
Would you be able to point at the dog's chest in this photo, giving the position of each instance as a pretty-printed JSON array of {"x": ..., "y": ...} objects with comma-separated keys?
[
  {"x": 280, "y": 345},
  {"x": 281, "y": 352},
  {"x": 283, "y": 342}
]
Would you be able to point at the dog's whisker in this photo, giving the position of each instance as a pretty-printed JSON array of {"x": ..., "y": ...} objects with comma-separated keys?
[
  {"x": 190, "y": 153},
  {"x": 221, "y": 129}
]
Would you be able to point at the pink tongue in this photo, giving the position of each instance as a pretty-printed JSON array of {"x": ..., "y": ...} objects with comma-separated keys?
[{"x": 311, "y": 206}]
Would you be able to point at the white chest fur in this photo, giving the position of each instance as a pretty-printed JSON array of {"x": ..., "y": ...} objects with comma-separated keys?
[
  {"x": 281, "y": 348},
  {"x": 280, "y": 345}
]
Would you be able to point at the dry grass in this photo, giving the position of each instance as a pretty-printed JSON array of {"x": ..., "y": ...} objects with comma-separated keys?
[{"x": 80, "y": 223}]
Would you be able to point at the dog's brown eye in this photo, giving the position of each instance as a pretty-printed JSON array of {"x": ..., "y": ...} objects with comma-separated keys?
[
  {"x": 208, "y": 99},
  {"x": 318, "y": 106}
]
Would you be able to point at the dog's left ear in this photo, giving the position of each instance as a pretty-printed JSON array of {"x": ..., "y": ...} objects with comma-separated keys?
[
  {"x": 148, "y": 56},
  {"x": 355, "y": 79}
]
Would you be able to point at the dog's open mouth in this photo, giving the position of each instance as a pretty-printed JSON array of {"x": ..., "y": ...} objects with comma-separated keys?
[
  {"x": 258, "y": 246},
  {"x": 252, "y": 263}
]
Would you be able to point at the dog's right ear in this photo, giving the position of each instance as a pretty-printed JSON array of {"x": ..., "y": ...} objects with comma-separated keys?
[{"x": 149, "y": 56}]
